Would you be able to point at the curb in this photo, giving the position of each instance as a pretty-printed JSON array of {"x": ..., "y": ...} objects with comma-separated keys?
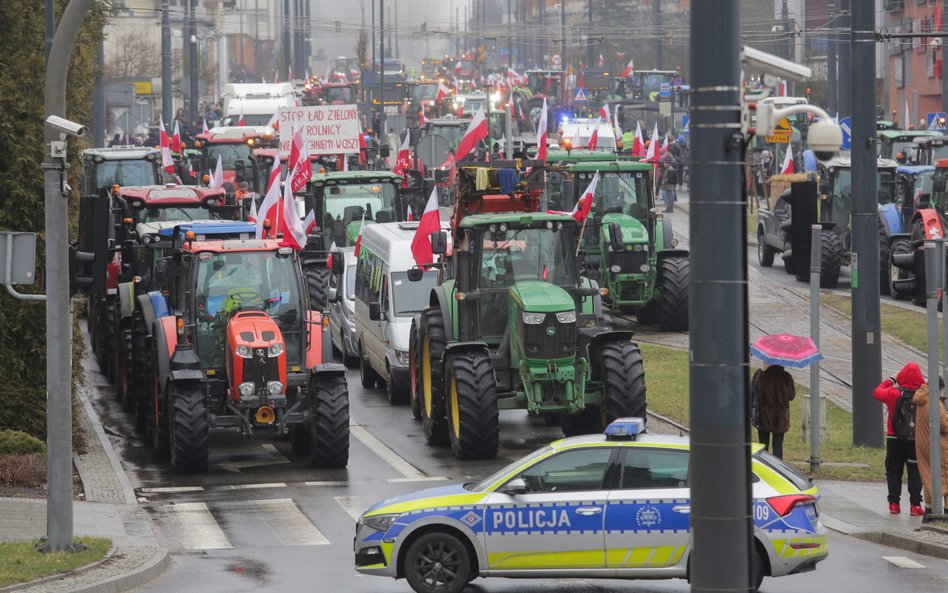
[
  {"x": 59, "y": 575},
  {"x": 137, "y": 577},
  {"x": 896, "y": 540}
]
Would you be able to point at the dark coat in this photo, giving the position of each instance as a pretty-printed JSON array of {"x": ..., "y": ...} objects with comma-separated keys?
[{"x": 775, "y": 391}]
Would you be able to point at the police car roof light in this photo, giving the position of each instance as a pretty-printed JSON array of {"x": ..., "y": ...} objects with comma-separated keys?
[{"x": 624, "y": 429}]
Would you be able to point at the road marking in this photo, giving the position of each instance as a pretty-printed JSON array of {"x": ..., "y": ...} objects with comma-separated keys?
[
  {"x": 423, "y": 479},
  {"x": 328, "y": 483},
  {"x": 289, "y": 523},
  {"x": 254, "y": 486},
  {"x": 198, "y": 528},
  {"x": 406, "y": 469},
  {"x": 171, "y": 489},
  {"x": 354, "y": 505},
  {"x": 274, "y": 458},
  {"x": 903, "y": 562}
]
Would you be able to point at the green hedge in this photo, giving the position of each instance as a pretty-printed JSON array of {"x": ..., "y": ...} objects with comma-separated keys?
[
  {"x": 14, "y": 441},
  {"x": 22, "y": 324}
]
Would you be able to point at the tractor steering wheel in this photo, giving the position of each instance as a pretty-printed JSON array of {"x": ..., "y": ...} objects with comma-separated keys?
[{"x": 238, "y": 298}]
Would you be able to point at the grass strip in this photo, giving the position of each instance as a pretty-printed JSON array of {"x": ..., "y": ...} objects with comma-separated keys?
[
  {"x": 20, "y": 562},
  {"x": 907, "y": 325}
]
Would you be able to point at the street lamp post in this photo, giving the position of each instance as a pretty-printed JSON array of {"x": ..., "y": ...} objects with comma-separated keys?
[{"x": 240, "y": 38}]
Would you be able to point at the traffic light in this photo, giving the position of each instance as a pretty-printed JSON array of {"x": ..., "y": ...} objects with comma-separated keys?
[{"x": 80, "y": 269}]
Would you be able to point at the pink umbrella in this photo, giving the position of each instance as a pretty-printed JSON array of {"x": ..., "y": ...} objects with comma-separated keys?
[{"x": 786, "y": 350}]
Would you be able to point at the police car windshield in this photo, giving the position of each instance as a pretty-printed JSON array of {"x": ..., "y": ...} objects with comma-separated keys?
[{"x": 523, "y": 462}]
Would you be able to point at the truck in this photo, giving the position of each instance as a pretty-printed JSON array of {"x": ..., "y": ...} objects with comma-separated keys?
[{"x": 255, "y": 103}]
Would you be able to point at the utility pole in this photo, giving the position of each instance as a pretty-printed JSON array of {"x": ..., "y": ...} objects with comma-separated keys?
[
  {"x": 832, "y": 103},
  {"x": 99, "y": 118},
  {"x": 394, "y": 24},
  {"x": 542, "y": 35},
  {"x": 59, "y": 511},
  {"x": 721, "y": 517},
  {"x": 657, "y": 4},
  {"x": 590, "y": 52},
  {"x": 944, "y": 63},
  {"x": 165, "y": 62},
  {"x": 788, "y": 42},
  {"x": 457, "y": 31},
  {"x": 866, "y": 325},
  {"x": 380, "y": 133},
  {"x": 374, "y": 47},
  {"x": 845, "y": 63},
  {"x": 49, "y": 17},
  {"x": 193, "y": 92},
  {"x": 563, "y": 41},
  {"x": 509, "y": 34}
]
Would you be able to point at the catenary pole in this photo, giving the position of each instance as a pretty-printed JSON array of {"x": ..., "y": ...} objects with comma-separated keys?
[
  {"x": 844, "y": 61},
  {"x": 657, "y": 7},
  {"x": 866, "y": 325},
  {"x": 721, "y": 520},
  {"x": 816, "y": 232},
  {"x": 166, "y": 72}
]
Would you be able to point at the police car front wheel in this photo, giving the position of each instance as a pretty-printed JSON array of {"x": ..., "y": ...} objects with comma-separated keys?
[{"x": 437, "y": 563}]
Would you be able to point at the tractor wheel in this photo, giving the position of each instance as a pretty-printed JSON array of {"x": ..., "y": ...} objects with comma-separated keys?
[
  {"x": 885, "y": 261},
  {"x": 329, "y": 428},
  {"x": 473, "y": 420},
  {"x": 160, "y": 426},
  {"x": 141, "y": 373},
  {"x": 623, "y": 376},
  {"x": 831, "y": 254},
  {"x": 649, "y": 313},
  {"x": 673, "y": 279},
  {"x": 765, "y": 253},
  {"x": 788, "y": 264},
  {"x": 433, "y": 342},
  {"x": 588, "y": 421},
  {"x": 189, "y": 433},
  {"x": 367, "y": 374},
  {"x": 414, "y": 371},
  {"x": 108, "y": 331},
  {"x": 123, "y": 368},
  {"x": 899, "y": 247},
  {"x": 317, "y": 282}
]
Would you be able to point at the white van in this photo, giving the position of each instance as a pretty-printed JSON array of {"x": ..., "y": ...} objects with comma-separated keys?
[
  {"x": 385, "y": 302},
  {"x": 255, "y": 102}
]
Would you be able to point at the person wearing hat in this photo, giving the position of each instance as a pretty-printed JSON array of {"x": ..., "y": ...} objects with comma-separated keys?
[
  {"x": 922, "y": 399},
  {"x": 765, "y": 171}
]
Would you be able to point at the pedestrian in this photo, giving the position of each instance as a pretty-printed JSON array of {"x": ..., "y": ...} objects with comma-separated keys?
[
  {"x": 923, "y": 441},
  {"x": 669, "y": 179},
  {"x": 900, "y": 452},
  {"x": 775, "y": 390}
]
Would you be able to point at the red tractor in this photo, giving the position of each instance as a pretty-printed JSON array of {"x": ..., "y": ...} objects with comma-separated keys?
[
  {"x": 233, "y": 146},
  {"x": 229, "y": 342}
]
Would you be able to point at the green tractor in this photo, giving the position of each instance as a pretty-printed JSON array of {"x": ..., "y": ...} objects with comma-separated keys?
[
  {"x": 515, "y": 326},
  {"x": 628, "y": 247}
]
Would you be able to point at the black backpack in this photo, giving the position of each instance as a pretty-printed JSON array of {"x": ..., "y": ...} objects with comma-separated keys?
[
  {"x": 903, "y": 420},
  {"x": 671, "y": 175}
]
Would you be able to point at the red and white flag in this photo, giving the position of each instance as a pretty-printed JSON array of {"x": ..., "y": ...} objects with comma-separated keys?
[
  {"x": 638, "y": 145},
  {"x": 332, "y": 249},
  {"x": 653, "y": 153},
  {"x": 422, "y": 120},
  {"x": 584, "y": 205},
  {"x": 252, "y": 216},
  {"x": 542, "y": 134},
  {"x": 167, "y": 163},
  {"x": 274, "y": 121},
  {"x": 604, "y": 112},
  {"x": 430, "y": 223},
  {"x": 408, "y": 215},
  {"x": 358, "y": 246},
  {"x": 294, "y": 235},
  {"x": 615, "y": 124},
  {"x": 403, "y": 158},
  {"x": 665, "y": 141},
  {"x": 176, "y": 139},
  {"x": 204, "y": 129},
  {"x": 788, "y": 167},
  {"x": 476, "y": 131},
  {"x": 443, "y": 92},
  {"x": 268, "y": 208},
  {"x": 628, "y": 70},
  {"x": 241, "y": 121},
  {"x": 217, "y": 179},
  {"x": 593, "y": 139},
  {"x": 303, "y": 167}
]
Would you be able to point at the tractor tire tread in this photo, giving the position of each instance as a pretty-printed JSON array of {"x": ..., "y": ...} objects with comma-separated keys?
[
  {"x": 329, "y": 427},
  {"x": 478, "y": 418}
]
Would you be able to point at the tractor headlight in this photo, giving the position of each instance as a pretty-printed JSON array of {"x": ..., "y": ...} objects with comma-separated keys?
[
  {"x": 533, "y": 318},
  {"x": 615, "y": 268},
  {"x": 246, "y": 389},
  {"x": 275, "y": 350},
  {"x": 645, "y": 267},
  {"x": 146, "y": 239},
  {"x": 379, "y": 522},
  {"x": 244, "y": 351},
  {"x": 566, "y": 317},
  {"x": 638, "y": 247},
  {"x": 274, "y": 387}
]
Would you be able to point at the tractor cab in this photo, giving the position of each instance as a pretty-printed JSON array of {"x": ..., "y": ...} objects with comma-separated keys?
[
  {"x": 928, "y": 150},
  {"x": 836, "y": 189},
  {"x": 233, "y": 146},
  {"x": 899, "y": 145},
  {"x": 128, "y": 165}
]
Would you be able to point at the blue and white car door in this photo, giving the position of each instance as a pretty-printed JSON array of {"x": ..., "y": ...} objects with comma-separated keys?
[
  {"x": 648, "y": 516},
  {"x": 558, "y": 522}
]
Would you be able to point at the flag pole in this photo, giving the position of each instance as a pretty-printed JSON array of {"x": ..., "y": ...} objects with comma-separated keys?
[{"x": 582, "y": 231}]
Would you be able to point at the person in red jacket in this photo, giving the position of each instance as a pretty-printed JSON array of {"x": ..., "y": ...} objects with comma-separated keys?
[{"x": 900, "y": 453}]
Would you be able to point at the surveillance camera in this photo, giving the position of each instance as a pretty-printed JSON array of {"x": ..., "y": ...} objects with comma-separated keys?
[
  {"x": 824, "y": 139},
  {"x": 772, "y": 65},
  {"x": 64, "y": 126}
]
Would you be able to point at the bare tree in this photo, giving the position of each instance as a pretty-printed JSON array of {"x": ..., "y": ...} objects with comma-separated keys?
[{"x": 137, "y": 57}]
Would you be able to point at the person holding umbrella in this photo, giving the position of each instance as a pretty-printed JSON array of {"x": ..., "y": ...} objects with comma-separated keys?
[{"x": 774, "y": 390}]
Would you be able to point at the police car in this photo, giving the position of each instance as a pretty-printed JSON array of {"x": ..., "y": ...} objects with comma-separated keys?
[{"x": 614, "y": 505}]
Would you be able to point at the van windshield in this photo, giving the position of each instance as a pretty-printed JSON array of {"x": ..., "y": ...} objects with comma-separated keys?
[{"x": 410, "y": 297}]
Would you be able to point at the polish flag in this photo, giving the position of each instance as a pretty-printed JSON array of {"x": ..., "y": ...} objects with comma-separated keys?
[
  {"x": 217, "y": 179},
  {"x": 252, "y": 217},
  {"x": 665, "y": 141},
  {"x": 542, "y": 134},
  {"x": 430, "y": 223},
  {"x": 615, "y": 124},
  {"x": 358, "y": 245},
  {"x": 176, "y": 139},
  {"x": 443, "y": 91},
  {"x": 604, "y": 112},
  {"x": 303, "y": 167},
  {"x": 309, "y": 223},
  {"x": 403, "y": 159},
  {"x": 628, "y": 70},
  {"x": 332, "y": 249},
  {"x": 476, "y": 131},
  {"x": 204, "y": 129},
  {"x": 788, "y": 167},
  {"x": 638, "y": 145},
  {"x": 782, "y": 92},
  {"x": 652, "y": 155},
  {"x": 584, "y": 205},
  {"x": 268, "y": 208},
  {"x": 294, "y": 235},
  {"x": 408, "y": 215},
  {"x": 167, "y": 162},
  {"x": 274, "y": 121},
  {"x": 905, "y": 126},
  {"x": 241, "y": 121},
  {"x": 593, "y": 139}
]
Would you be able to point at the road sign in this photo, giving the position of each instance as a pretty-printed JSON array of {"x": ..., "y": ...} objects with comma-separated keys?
[
  {"x": 556, "y": 59},
  {"x": 846, "y": 124},
  {"x": 685, "y": 125},
  {"x": 664, "y": 90},
  {"x": 936, "y": 121},
  {"x": 781, "y": 134},
  {"x": 580, "y": 95}
]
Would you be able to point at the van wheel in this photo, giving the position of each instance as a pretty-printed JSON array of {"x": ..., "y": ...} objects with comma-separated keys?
[
  {"x": 396, "y": 390},
  {"x": 368, "y": 376}
]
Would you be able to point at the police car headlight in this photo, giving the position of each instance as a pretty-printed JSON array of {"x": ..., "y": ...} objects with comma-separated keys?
[
  {"x": 566, "y": 317},
  {"x": 275, "y": 350},
  {"x": 380, "y": 522},
  {"x": 245, "y": 389},
  {"x": 533, "y": 318},
  {"x": 244, "y": 351}
]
